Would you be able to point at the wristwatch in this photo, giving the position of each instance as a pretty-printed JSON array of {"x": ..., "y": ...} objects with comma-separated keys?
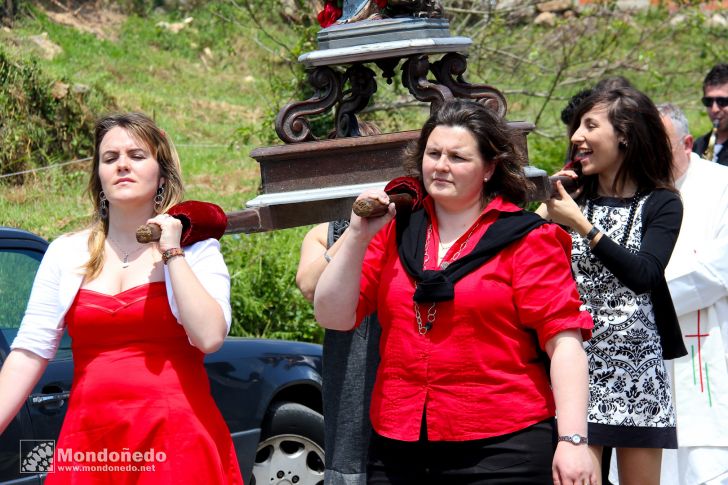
[{"x": 574, "y": 439}]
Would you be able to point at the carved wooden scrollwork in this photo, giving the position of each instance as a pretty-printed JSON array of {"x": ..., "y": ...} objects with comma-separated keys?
[
  {"x": 449, "y": 72},
  {"x": 363, "y": 86},
  {"x": 291, "y": 123},
  {"x": 388, "y": 66},
  {"x": 414, "y": 78}
]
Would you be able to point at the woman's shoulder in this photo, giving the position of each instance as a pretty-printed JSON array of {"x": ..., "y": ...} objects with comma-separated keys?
[
  {"x": 204, "y": 246},
  {"x": 70, "y": 240},
  {"x": 664, "y": 195},
  {"x": 386, "y": 237},
  {"x": 660, "y": 199},
  {"x": 663, "y": 203},
  {"x": 68, "y": 251},
  {"x": 550, "y": 231},
  {"x": 543, "y": 233},
  {"x": 547, "y": 242}
]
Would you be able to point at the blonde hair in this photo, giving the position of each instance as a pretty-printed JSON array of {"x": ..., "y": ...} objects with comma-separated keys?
[{"x": 145, "y": 131}]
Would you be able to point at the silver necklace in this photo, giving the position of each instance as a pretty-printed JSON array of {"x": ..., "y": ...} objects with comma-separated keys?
[
  {"x": 125, "y": 255},
  {"x": 444, "y": 248},
  {"x": 425, "y": 326}
]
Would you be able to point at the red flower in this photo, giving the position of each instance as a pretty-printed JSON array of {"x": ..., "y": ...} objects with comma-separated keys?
[
  {"x": 381, "y": 3},
  {"x": 329, "y": 14}
]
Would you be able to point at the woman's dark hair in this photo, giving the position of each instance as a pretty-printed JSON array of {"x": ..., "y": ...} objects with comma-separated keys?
[
  {"x": 613, "y": 82},
  {"x": 567, "y": 114},
  {"x": 643, "y": 140},
  {"x": 495, "y": 143}
]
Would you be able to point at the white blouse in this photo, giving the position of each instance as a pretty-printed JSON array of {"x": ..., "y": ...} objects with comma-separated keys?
[{"x": 60, "y": 275}]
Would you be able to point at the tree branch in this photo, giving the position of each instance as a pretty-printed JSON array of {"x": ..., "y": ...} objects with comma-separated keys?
[{"x": 254, "y": 18}]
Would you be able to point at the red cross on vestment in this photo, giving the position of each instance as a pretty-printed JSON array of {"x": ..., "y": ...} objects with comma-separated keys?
[{"x": 699, "y": 335}]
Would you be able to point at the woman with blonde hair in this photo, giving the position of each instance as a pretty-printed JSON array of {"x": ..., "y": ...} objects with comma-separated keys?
[{"x": 141, "y": 318}]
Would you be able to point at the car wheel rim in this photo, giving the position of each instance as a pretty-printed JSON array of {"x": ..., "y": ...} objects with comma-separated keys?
[{"x": 288, "y": 459}]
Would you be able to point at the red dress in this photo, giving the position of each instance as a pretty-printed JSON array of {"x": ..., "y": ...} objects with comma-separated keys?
[{"x": 140, "y": 409}]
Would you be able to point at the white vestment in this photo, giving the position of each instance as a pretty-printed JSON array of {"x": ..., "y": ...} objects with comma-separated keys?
[{"x": 698, "y": 279}]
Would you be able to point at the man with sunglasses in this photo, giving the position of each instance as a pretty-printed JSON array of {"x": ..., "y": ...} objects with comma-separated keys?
[{"x": 715, "y": 100}]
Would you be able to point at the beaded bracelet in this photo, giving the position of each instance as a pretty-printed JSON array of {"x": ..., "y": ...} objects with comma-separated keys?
[{"x": 171, "y": 253}]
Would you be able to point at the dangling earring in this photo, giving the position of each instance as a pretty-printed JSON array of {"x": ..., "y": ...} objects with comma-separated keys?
[
  {"x": 103, "y": 206},
  {"x": 158, "y": 199}
]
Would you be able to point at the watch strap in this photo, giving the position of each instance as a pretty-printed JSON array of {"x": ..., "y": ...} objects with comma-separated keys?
[
  {"x": 592, "y": 233},
  {"x": 574, "y": 439}
]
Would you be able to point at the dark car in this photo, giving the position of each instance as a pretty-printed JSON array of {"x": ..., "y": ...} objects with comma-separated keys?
[{"x": 268, "y": 391}]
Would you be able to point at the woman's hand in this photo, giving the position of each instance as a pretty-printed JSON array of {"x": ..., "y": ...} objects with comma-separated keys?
[
  {"x": 543, "y": 209},
  {"x": 566, "y": 173},
  {"x": 563, "y": 210},
  {"x": 366, "y": 228},
  {"x": 573, "y": 465},
  {"x": 171, "y": 231}
]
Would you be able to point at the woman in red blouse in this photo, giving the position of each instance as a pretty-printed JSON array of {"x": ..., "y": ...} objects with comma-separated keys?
[{"x": 469, "y": 290}]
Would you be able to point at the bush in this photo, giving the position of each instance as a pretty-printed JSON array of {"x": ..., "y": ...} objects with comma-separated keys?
[
  {"x": 265, "y": 299},
  {"x": 43, "y": 121}
]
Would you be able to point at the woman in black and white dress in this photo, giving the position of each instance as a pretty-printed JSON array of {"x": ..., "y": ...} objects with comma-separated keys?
[{"x": 624, "y": 224}]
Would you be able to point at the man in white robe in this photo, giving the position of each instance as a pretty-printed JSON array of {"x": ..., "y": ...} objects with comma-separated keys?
[{"x": 697, "y": 276}]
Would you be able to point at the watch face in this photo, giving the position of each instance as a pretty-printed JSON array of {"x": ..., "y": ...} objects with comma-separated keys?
[{"x": 576, "y": 439}]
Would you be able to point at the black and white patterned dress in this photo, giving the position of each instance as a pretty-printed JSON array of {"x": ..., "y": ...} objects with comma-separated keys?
[{"x": 630, "y": 402}]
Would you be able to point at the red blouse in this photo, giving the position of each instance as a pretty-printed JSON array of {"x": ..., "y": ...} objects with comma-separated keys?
[{"x": 477, "y": 371}]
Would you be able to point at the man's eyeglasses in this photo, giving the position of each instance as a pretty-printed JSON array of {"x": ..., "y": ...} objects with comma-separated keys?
[{"x": 708, "y": 101}]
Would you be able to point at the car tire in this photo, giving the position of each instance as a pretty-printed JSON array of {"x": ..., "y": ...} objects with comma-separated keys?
[{"x": 291, "y": 448}]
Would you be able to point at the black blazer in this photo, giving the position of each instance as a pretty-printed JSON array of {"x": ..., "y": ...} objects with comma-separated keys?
[{"x": 645, "y": 271}]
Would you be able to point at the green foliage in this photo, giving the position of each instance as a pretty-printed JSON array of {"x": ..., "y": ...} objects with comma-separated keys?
[
  {"x": 43, "y": 121},
  {"x": 539, "y": 68},
  {"x": 143, "y": 8},
  {"x": 265, "y": 299},
  {"x": 284, "y": 34}
]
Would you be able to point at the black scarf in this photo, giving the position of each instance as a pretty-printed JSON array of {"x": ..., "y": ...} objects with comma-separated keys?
[{"x": 439, "y": 285}]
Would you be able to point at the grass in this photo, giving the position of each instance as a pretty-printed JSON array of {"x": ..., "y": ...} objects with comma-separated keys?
[
  {"x": 201, "y": 103},
  {"x": 216, "y": 85}
]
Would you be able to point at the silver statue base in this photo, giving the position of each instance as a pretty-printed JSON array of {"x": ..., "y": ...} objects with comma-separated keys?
[
  {"x": 384, "y": 50},
  {"x": 381, "y": 30}
]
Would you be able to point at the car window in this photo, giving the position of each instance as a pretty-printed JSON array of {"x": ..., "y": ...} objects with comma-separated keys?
[{"x": 17, "y": 272}]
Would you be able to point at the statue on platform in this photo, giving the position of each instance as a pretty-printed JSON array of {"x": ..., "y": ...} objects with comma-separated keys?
[
  {"x": 356, "y": 10},
  {"x": 417, "y": 8}
]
